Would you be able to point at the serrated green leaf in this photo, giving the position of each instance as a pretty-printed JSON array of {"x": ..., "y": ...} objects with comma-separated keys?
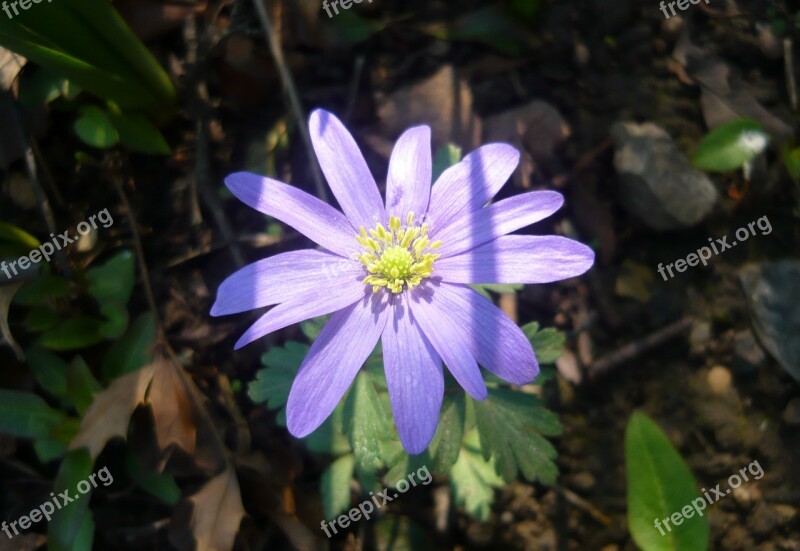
[
  {"x": 72, "y": 334},
  {"x": 114, "y": 280},
  {"x": 659, "y": 485},
  {"x": 511, "y": 426},
  {"x": 93, "y": 127},
  {"x": 272, "y": 384},
  {"x": 313, "y": 327},
  {"x": 72, "y": 527},
  {"x": 445, "y": 157},
  {"x": 548, "y": 344},
  {"x": 367, "y": 423},
  {"x": 26, "y": 415},
  {"x": 133, "y": 351},
  {"x": 474, "y": 479},
  {"x": 335, "y": 485},
  {"x": 446, "y": 443},
  {"x": 730, "y": 146}
]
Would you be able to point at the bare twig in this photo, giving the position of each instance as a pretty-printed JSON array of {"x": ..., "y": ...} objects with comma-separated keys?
[
  {"x": 352, "y": 95},
  {"x": 788, "y": 64},
  {"x": 291, "y": 92},
  {"x": 577, "y": 501},
  {"x": 635, "y": 349}
]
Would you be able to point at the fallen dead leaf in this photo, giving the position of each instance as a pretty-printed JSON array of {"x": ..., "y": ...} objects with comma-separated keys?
[
  {"x": 110, "y": 412},
  {"x": 173, "y": 409},
  {"x": 217, "y": 512}
]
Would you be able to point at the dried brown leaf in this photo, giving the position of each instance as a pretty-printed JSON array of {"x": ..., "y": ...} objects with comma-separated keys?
[
  {"x": 217, "y": 512},
  {"x": 173, "y": 408},
  {"x": 111, "y": 410}
]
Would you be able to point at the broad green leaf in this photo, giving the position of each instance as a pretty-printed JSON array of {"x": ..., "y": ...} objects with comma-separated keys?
[
  {"x": 548, "y": 344},
  {"x": 43, "y": 290},
  {"x": 48, "y": 449},
  {"x": 660, "y": 486},
  {"x": 445, "y": 157},
  {"x": 40, "y": 318},
  {"x": 26, "y": 415},
  {"x": 400, "y": 534},
  {"x": 446, "y": 443},
  {"x": 133, "y": 351},
  {"x": 271, "y": 385},
  {"x": 730, "y": 146},
  {"x": 329, "y": 438},
  {"x": 474, "y": 479},
  {"x": 511, "y": 426},
  {"x": 114, "y": 280},
  {"x": 367, "y": 423},
  {"x": 159, "y": 485},
  {"x": 17, "y": 235},
  {"x": 81, "y": 385},
  {"x": 116, "y": 321},
  {"x": 94, "y": 128},
  {"x": 49, "y": 369},
  {"x": 72, "y": 526},
  {"x": 73, "y": 333},
  {"x": 138, "y": 134},
  {"x": 335, "y": 485}
]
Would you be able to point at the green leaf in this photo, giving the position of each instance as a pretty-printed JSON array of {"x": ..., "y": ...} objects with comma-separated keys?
[
  {"x": 367, "y": 423},
  {"x": 660, "y": 484},
  {"x": 730, "y": 146},
  {"x": 499, "y": 288},
  {"x": 49, "y": 369},
  {"x": 26, "y": 415},
  {"x": 72, "y": 527},
  {"x": 14, "y": 234},
  {"x": 40, "y": 318},
  {"x": 272, "y": 383},
  {"x": 41, "y": 87},
  {"x": 72, "y": 334},
  {"x": 329, "y": 438},
  {"x": 114, "y": 280},
  {"x": 356, "y": 29},
  {"x": 160, "y": 485},
  {"x": 473, "y": 479},
  {"x": 43, "y": 290},
  {"x": 335, "y": 485},
  {"x": 116, "y": 321},
  {"x": 511, "y": 425},
  {"x": 400, "y": 534},
  {"x": 313, "y": 327},
  {"x": 94, "y": 128},
  {"x": 48, "y": 449},
  {"x": 81, "y": 385},
  {"x": 445, "y": 157},
  {"x": 548, "y": 344},
  {"x": 791, "y": 158},
  {"x": 133, "y": 351},
  {"x": 446, "y": 443},
  {"x": 138, "y": 134}
]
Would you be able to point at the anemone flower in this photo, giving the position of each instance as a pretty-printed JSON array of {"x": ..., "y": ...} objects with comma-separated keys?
[{"x": 399, "y": 271}]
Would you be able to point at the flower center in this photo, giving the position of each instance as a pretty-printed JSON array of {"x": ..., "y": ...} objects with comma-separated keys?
[{"x": 399, "y": 257}]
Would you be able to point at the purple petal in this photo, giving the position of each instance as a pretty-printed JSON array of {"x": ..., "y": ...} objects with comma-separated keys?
[
  {"x": 316, "y": 220},
  {"x": 482, "y": 225},
  {"x": 332, "y": 363},
  {"x": 408, "y": 186},
  {"x": 518, "y": 259},
  {"x": 346, "y": 170},
  {"x": 415, "y": 380},
  {"x": 470, "y": 184},
  {"x": 281, "y": 278},
  {"x": 317, "y": 302},
  {"x": 496, "y": 342},
  {"x": 448, "y": 339}
]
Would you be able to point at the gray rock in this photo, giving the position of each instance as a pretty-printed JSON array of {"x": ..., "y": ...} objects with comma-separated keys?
[
  {"x": 657, "y": 184},
  {"x": 773, "y": 293}
]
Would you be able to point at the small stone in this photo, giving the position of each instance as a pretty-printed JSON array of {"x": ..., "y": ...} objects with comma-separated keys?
[
  {"x": 791, "y": 415},
  {"x": 748, "y": 354},
  {"x": 699, "y": 336},
  {"x": 719, "y": 379}
]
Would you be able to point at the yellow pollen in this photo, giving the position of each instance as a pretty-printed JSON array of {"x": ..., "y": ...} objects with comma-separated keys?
[{"x": 397, "y": 258}]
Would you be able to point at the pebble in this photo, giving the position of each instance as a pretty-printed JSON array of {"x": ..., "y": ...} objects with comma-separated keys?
[{"x": 719, "y": 379}]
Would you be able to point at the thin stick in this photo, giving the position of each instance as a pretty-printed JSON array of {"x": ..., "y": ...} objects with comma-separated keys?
[
  {"x": 788, "y": 64},
  {"x": 291, "y": 92}
]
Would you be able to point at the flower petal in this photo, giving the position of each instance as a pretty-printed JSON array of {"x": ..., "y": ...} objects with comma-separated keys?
[
  {"x": 482, "y": 225},
  {"x": 332, "y": 363},
  {"x": 415, "y": 380},
  {"x": 315, "y": 219},
  {"x": 518, "y": 259},
  {"x": 496, "y": 342},
  {"x": 314, "y": 303},
  {"x": 346, "y": 170},
  {"x": 448, "y": 339},
  {"x": 282, "y": 277},
  {"x": 471, "y": 183},
  {"x": 408, "y": 185}
]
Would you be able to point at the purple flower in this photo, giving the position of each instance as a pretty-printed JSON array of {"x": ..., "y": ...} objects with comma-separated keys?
[{"x": 399, "y": 272}]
